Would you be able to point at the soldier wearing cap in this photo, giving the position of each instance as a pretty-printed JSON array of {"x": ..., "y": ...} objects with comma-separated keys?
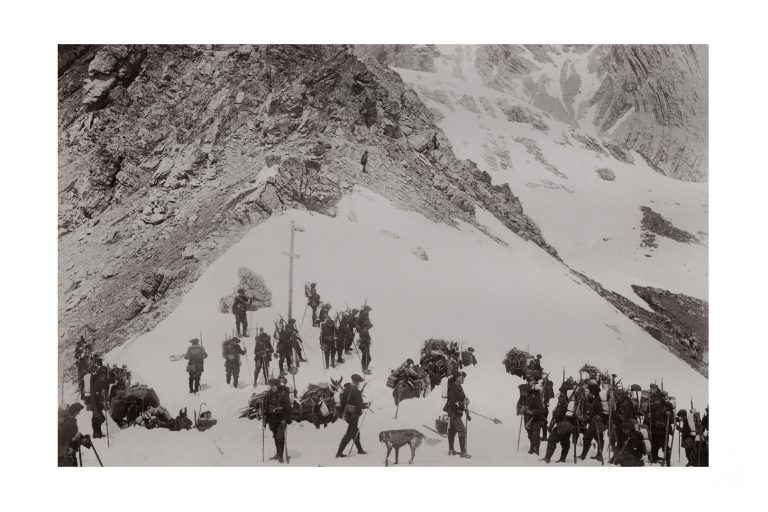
[
  {"x": 351, "y": 406},
  {"x": 277, "y": 415},
  {"x": 240, "y": 310},
  {"x": 70, "y": 439},
  {"x": 455, "y": 405}
]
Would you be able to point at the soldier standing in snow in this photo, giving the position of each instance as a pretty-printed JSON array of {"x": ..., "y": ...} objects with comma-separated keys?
[
  {"x": 595, "y": 421},
  {"x": 327, "y": 341},
  {"x": 284, "y": 347},
  {"x": 262, "y": 353},
  {"x": 293, "y": 332},
  {"x": 277, "y": 414},
  {"x": 455, "y": 405},
  {"x": 70, "y": 439},
  {"x": 99, "y": 388},
  {"x": 313, "y": 301},
  {"x": 232, "y": 352},
  {"x": 351, "y": 405},
  {"x": 534, "y": 417},
  {"x": 364, "y": 160},
  {"x": 561, "y": 429},
  {"x": 196, "y": 356},
  {"x": 240, "y": 310},
  {"x": 687, "y": 436}
]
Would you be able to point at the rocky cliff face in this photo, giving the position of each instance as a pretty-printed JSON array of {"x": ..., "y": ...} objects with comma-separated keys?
[
  {"x": 649, "y": 98},
  {"x": 168, "y": 154}
]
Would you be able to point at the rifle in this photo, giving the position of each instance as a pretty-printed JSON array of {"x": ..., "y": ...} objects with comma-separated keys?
[{"x": 263, "y": 421}]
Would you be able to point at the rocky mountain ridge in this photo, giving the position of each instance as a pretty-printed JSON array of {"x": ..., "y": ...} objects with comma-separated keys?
[{"x": 168, "y": 154}]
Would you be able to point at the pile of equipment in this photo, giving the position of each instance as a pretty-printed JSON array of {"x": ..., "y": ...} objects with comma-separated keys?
[
  {"x": 128, "y": 404},
  {"x": 517, "y": 361},
  {"x": 408, "y": 381},
  {"x": 317, "y": 406}
]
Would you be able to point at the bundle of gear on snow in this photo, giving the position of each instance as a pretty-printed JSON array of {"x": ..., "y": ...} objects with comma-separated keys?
[
  {"x": 128, "y": 404},
  {"x": 204, "y": 420},
  {"x": 408, "y": 381},
  {"x": 317, "y": 406}
]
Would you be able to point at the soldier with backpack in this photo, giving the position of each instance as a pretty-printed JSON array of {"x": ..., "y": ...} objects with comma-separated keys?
[
  {"x": 99, "y": 388},
  {"x": 240, "y": 310},
  {"x": 595, "y": 421},
  {"x": 195, "y": 356},
  {"x": 231, "y": 350},
  {"x": 328, "y": 342},
  {"x": 687, "y": 436},
  {"x": 262, "y": 354},
  {"x": 632, "y": 449},
  {"x": 534, "y": 415},
  {"x": 624, "y": 413},
  {"x": 284, "y": 347},
  {"x": 295, "y": 340},
  {"x": 560, "y": 430},
  {"x": 313, "y": 301},
  {"x": 351, "y": 405},
  {"x": 277, "y": 415},
  {"x": 365, "y": 349}
]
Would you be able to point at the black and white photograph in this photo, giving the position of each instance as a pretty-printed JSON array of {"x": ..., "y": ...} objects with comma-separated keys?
[
  {"x": 328, "y": 254},
  {"x": 383, "y": 256}
]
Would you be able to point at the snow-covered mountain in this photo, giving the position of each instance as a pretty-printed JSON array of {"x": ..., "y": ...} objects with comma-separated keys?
[{"x": 498, "y": 208}]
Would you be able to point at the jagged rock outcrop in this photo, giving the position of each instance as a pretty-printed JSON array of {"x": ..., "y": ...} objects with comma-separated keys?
[{"x": 177, "y": 150}]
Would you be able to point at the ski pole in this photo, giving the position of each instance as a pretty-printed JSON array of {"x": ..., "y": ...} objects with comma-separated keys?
[
  {"x": 305, "y": 314},
  {"x": 357, "y": 434},
  {"x": 106, "y": 420},
  {"x": 93, "y": 447},
  {"x": 80, "y": 454},
  {"x": 519, "y": 430}
]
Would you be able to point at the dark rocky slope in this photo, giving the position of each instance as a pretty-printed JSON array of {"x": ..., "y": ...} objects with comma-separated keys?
[{"x": 160, "y": 150}]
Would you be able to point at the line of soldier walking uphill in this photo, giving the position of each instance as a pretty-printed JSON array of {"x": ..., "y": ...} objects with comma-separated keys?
[{"x": 625, "y": 426}]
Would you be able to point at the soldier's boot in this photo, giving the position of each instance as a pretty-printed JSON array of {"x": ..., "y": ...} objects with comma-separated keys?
[
  {"x": 585, "y": 451},
  {"x": 550, "y": 451},
  {"x": 234, "y": 381},
  {"x": 359, "y": 446},
  {"x": 451, "y": 451},
  {"x": 564, "y": 454},
  {"x": 197, "y": 384},
  {"x": 229, "y": 378},
  {"x": 96, "y": 425},
  {"x": 463, "y": 446},
  {"x": 191, "y": 385},
  {"x": 340, "y": 452}
]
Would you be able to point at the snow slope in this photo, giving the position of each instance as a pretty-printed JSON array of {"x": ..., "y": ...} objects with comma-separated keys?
[
  {"x": 594, "y": 224},
  {"x": 489, "y": 295}
]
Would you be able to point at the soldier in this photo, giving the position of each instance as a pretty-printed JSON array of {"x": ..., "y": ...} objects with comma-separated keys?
[
  {"x": 313, "y": 301},
  {"x": 365, "y": 349},
  {"x": 232, "y": 352},
  {"x": 659, "y": 422},
  {"x": 351, "y": 405},
  {"x": 455, "y": 405},
  {"x": 277, "y": 414},
  {"x": 295, "y": 340},
  {"x": 327, "y": 341},
  {"x": 364, "y": 320},
  {"x": 196, "y": 356},
  {"x": 560, "y": 430},
  {"x": 284, "y": 347},
  {"x": 70, "y": 439},
  {"x": 364, "y": 160},
  {"x": 595, "y": 420},
  {"x": 350, "y": 330},
  {"x": 240, "y": 310},
  {"x": 632, "y": 449},
  {"x": 687, "y": 436},
  {"x": 324, "y": 311},
  {"x": 262, "y": 354},
  {"x": 99, "y": 388},
  {"x": 534, "y": 417},
  {"x": 624, "y": 413},
  {"x": 340, "y": 340}
]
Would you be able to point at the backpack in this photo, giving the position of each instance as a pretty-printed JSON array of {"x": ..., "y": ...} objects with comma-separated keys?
[{"x": 195, "y": 352}]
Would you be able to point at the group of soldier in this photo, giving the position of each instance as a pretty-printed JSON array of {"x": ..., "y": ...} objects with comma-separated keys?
[
  {"x": 97, "y": 385},
  {"x": 592, "y": 410},
  {"x": 337, "y": 335}
]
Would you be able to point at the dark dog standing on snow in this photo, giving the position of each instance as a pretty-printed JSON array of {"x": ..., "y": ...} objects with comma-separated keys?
[{"x": 399, "y": 438}]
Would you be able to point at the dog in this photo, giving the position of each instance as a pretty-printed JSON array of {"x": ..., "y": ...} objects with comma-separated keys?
[{"x": 399, "y": 438}]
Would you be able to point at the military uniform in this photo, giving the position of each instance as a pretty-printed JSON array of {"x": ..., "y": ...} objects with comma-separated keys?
[
  {"x": 195, "y": 356},
  {"x": 351, "y": 406},
  {"x": 240, "y": 310},
  {"x": 232, "y": 353},
  {"x": 455, "y": 406},
  {"x": 277, "y": 415}
]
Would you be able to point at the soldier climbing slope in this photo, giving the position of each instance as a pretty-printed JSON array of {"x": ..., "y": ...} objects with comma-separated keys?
[
  {"x": 328, "y": 342},
  {"x": 262, "y": 354},
  {"x": 313, "y": 301},
  {"x": 231, "y": 350},
  {"x": 99, "y": 388},
  {"x": 196, "y": 356},
  {"x": 240, "y": 310}
]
